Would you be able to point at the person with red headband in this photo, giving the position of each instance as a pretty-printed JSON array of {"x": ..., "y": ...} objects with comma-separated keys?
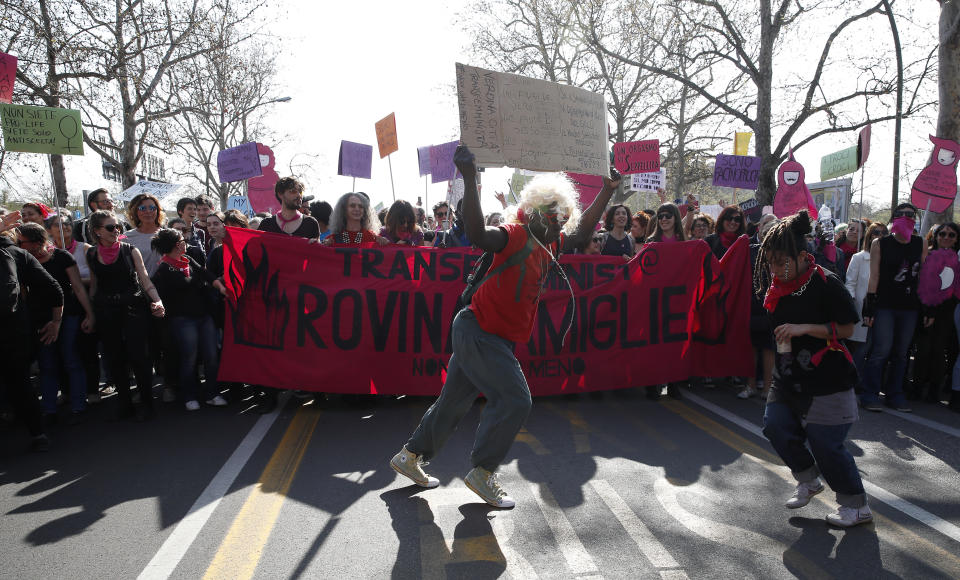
[
  {"x": 498, "y": 316},
  {"x": 35, "y": 212},
  {"x": 811, "y": 405}
]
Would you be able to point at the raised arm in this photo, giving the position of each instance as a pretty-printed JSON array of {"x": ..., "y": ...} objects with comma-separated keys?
[
  {"x": 590, "y": 217},
  {"x": 488, "y": 239}
]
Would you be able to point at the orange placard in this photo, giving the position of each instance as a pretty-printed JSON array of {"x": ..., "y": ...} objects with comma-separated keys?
[{"x": 387, "y": 135}]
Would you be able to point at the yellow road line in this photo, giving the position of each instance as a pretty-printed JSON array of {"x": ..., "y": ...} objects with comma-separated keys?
[{"x": 239, "y": 553}]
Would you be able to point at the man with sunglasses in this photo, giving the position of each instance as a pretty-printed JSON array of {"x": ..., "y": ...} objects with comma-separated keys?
[
  {"x": 96, "y": 200},
  {"x": 500, "y": 314},
  {"x": 892, "y": 308}
]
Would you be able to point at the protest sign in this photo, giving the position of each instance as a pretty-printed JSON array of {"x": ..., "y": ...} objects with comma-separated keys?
[
  {"x": 648, "y": 182},
  {"x": 387, "y": 135},
  {"x": 355, "y": 159},
  {"x": 441, "y": 162},
  {"x": 41, "y": 130},
  {"x": 839, "y": 163},
  {"x": 741, "y": 143},
  {"x": 741, "y": 172},
  {"x": 8, "y": 74},
  {"x": 637, "y": 156},
  {"x": 752, "y": 209},
  {"x": 792, "y": 192},
  {"x": 936, "y": 186},
  {"x": 525, "y": 123},
  {"x": 240, "y": 162},
  {"x": 261, "y": 191},
  {"x": 423, "y": 159},
  {"x": 588, "y": 186},
  {"x": 377, "y": 320},
  {"x": 240, "y": 203},
  {"x": 863, "y": 145},
  {"x": 155, "y": 188}
]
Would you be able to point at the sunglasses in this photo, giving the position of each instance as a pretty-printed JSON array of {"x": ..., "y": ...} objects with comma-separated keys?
[
  {"x": 597, "y": 240},
  {"x": 905, "y": 213},
  {"x": 147, "y": 208},
  {"x": 111, "y": 227},
  {"x": 664, "y": 216},
  {"x": 950, "y": 235},
  {"x": 736, "y": 219}
]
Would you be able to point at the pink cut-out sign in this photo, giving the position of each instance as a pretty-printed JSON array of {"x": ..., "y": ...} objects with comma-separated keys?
[
  {"x": 637, "y": 157},
  {"x": 260, "y": 190},
  {"x": 936, "y": 186},
  {"x": 8, "y": 73},
  {"x": 792, "y": 192}
]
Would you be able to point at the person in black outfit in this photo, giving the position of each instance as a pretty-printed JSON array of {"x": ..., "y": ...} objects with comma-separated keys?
[
  {"x": 21, "y": 275},
  {"x": 289, "y": 220},
  {"x": 118, "y": 282},
  {"x": 811, "y": 405},
  {"x": 730, "y": 226}
]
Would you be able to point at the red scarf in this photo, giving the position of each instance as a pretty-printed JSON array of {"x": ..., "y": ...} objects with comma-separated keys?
[
  {"x": 108, "y": 254},
  {"x": 182, "y": 264},
  {"x": 727, "y": 238},
  {"x": 72, "y": 247},
  {"x": 779, "y": 288}
]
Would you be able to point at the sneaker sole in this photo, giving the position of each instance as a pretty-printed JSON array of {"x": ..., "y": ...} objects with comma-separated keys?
[
  {"x": 796, "y": 507},
  {"x": 850, "y": 525},
  {"x": 493, "y": 503},
  {"x": 421, "y": 484}
]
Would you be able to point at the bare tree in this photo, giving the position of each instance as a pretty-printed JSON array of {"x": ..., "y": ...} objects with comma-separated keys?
[{"x": 948, "y": 121}]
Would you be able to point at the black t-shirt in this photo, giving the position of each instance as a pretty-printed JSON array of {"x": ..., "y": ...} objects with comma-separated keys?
[
  {"x": 821, "y": 302},
  {"x": 899, "y": 273},
  {"x": 57, "y": 266},
  {"x": 614, "y": 247},
  {"x": 309, "y": 228}
]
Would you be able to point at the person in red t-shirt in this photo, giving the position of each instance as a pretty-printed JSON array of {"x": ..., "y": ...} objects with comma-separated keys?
[{"x": 501, "y": 313}]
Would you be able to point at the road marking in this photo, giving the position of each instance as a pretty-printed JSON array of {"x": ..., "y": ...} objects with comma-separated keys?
[
  {"x": 649, "y": 545},
  {"x": 527, "y": 437},
  {"x": 925, "y": 422},
  {"x": 569, "y": 544},
  {"x": 168, "y": 557},
  {"x": 240, "y": 551}
]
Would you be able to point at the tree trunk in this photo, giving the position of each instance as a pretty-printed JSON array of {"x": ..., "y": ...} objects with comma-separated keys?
[
  {"x": 767, "y": 187},
  {"x": 56, "y": 161},
  {"x": 948, "y": 122}
]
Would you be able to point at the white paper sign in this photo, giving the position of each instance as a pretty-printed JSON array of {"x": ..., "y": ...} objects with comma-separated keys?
[
  {"x": 161, "y": 190},
  {"x": 527, "y": 123},
  {"x": 241, "y": 203},
  {"x": 648, "y": 181}
]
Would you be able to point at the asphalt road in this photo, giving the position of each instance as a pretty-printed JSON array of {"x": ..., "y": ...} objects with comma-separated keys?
[{"x": 607, "y": 486}]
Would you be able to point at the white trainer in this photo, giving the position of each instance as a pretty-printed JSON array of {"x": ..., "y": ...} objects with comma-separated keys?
[
  {"x": 805, "y": 490},
  {"x": 217, "y": 401},
  {"x": 847, "y": 517},
  {"x": 410, "y": 465},
  {"x": 485, "y": 484},
  {"x": 193, "y": 406}
]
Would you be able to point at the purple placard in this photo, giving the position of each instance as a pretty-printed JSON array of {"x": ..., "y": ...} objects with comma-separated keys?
[
  {"x": 423, "y": 157},
  {"x": 355, "y": 159},
  {"x": 240, "y": 162},
  {"x": 739, "y": 171},
  {"x": 441, "y": 162}
]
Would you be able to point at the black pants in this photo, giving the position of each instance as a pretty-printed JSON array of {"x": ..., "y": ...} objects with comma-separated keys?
[
  {"x": 124, "y": 332},
  {"x": 936, "y": 351},
  {"x": 88, "y": 345},
  {"x": 15, "y": 361}
]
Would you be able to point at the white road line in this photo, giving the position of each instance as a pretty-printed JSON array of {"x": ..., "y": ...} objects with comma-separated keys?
[
  {"x": 569, "y": 544},
  {"x": 172, "y": 551},
  {"x": 926, "y": 422},
  {"x": 651, "y": 547},
  {"x": 876, "y": 492}
]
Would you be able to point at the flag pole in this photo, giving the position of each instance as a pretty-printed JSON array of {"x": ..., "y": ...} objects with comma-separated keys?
[{"x": 392, "y": 189}]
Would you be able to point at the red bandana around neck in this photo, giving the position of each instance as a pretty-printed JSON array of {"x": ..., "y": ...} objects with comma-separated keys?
[
  {"x": 779, "y": 288},
  {"x": 727, "y": 238},
  {"x": 182, "y": 264},
  {"x": 108, "y": 254}
]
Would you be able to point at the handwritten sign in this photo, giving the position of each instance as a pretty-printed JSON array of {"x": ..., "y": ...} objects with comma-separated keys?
[
  {"x": 240, "y": 162},
  {"x": 527, "y": 123},
  {"x": 240, "y": 203},
  {"x": 637, "y": 157},
  {"x": 387, "y": 135},
  {"x": 156, "y": 188},
  {"x": 741, "y": 143},
  {"x": 649, "y": 182},
  {"x": 355, "y": 159},
  {"x": 441, "y": 162},
  {"x": 752, "y": 209},
  {"x": 423, "y": 158},
  {"x": 839, "y": 163},
  {"x": 739, "y": 171},
  {"x": 41, "y": 130},
  {"x": 8, "y": 74}
]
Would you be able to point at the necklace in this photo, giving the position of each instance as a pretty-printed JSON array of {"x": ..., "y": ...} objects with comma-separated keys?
[{"x": 345, "y": 237}]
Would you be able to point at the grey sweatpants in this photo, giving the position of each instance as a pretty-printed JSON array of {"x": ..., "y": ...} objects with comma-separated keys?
[{"x": 481, "y": 363}]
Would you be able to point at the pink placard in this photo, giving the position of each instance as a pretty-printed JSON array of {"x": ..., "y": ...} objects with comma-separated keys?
[
  {"x": 637, "y": 156},
  {"x": 936, "y": 186},
  {"x": 588, "y": 186},
  {"x": 8, "y": 73}
]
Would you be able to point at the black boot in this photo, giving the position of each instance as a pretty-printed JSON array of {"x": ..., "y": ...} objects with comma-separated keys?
[{"x": 954, "y": 401}]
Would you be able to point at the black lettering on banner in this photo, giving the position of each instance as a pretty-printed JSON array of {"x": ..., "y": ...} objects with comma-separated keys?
[
  {"x": 347, "y": 254},
  {"x": 608, "y": 325},
  {"x": 582, "y": 278},
  {"x": 306, "y": 315},
  {"x": 423, "y": 318},
  {"x": 381, "y": 326},
  {"x": 624, "y": 326},
  {"x": 400, "y": 267},
  {"x": 370, "y": 259},
  {"x": 356, "y": 329},
  {"x": 654, "y": 325},
  {"x": 668, "y": 316},
  {"x": 402, "y": 322},
  {"x": 605, "y": 273},
  {"x": 449, "y": 262},
  {"x": 425, "y": 263},
  {"x": 468, "y": 261},
  {"x": 545, "y": 327}
]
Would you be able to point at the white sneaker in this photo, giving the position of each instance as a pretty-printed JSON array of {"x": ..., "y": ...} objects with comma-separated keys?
[
  {"x": 485, "y": 484},
  {"x": 410, "y": 465},
  {"x": 217, "y": 401},
  {"x": 847, "y": 517},
  {"x": 193, "y": 406},
  {"x": 805, "y": 490},
  {"x": 169, "y": 395},
  {"x": 745, "y": 393}
]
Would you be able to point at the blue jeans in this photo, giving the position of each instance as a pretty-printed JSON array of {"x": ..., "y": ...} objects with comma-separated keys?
[
  {"x": 826, "y": 454},
  {"x": 63, "y": 354},
  {"x": 196, "y": 337},
  {"x": 892, "y": 333}
]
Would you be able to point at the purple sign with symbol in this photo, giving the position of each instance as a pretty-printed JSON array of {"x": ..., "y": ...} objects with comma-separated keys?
[
  {"x": 739, "y": 171},
  {"x": 240, "y": 162},
  {"x": 355, "y": 159},
  {"x": 441, "y": 162},
  {"x": 423, "y": 157}
]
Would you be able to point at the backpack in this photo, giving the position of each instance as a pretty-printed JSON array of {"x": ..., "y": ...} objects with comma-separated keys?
[
  {"x": 479, "y": 275},
  {"x": 9, "y": 284}
]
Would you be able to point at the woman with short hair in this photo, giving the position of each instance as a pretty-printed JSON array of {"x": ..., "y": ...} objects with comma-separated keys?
[{"x": 617, "y": 241}]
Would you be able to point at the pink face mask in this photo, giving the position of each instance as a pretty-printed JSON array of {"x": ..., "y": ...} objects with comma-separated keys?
[{"x": 902, "y": 226}]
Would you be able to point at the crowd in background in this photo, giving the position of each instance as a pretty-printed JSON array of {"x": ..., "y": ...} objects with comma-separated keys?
[{"x": 140, "y": 293}]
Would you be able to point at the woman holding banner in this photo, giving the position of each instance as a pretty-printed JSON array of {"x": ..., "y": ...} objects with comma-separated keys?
[
  {"x": 353, "y": 224},
  {"x": 617, "y": 241},
  {"x": 811, "y": 405}
]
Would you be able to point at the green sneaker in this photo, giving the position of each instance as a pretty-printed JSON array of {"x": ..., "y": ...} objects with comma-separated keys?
[
  {"x": 410, "y": 465},
  {"x": 484, "y": 483}
]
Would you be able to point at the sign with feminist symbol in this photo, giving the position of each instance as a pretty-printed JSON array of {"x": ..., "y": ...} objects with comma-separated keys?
[{"x": 41, "y": 130}]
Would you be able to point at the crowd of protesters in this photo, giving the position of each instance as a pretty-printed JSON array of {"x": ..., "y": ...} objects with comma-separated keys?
[{"x": 140, "y": 293}]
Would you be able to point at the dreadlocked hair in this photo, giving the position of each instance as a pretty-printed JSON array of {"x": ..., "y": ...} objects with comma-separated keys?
[{"x": 785, "y": 238}]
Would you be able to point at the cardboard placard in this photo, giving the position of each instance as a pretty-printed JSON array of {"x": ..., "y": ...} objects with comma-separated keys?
[
  {"x": 241, "y": 203},
  {"x": 423, "y": 159},
  {"x": 238, "y": 163},
  {"x": 752, "y": 209},
  {"x": 637, "y": 157},
  {"x": 441, "y": 162},
  {"x": 526, "y": 123},
  {"x": 648, "y": 182},
  {"x": 355, "y": 159},
  {"x": 8, "y": 74},
  {"x": 839, "y": 163},
  {"x": 387, "y": 135},
  {"x": 739, "y": 171},
  {"x": 155, "y": 188},
  {"x": 41, "y": 129}
]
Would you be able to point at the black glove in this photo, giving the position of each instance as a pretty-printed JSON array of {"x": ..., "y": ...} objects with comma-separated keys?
[{"x": 869, "y": 309}]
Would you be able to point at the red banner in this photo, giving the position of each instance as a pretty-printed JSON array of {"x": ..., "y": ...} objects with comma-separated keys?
[{"x": 377, "y": 320}]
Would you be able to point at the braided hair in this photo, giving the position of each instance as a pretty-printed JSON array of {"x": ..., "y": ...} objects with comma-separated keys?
[{"x": 785, "y": 238}]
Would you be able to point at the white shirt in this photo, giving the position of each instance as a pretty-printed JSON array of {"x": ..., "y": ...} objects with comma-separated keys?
[{"x": 858, "y": 280}]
